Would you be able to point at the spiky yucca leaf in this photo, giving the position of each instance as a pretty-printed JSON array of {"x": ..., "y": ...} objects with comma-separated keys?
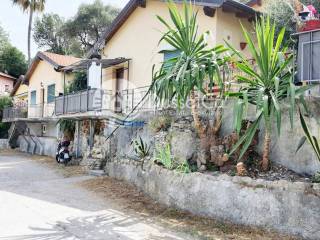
[{"x": 268, "y": 83}]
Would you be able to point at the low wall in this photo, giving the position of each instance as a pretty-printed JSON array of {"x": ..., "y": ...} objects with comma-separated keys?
[
  {"x": 3, "y": 144},
  {"x": 290, "y": 208}
]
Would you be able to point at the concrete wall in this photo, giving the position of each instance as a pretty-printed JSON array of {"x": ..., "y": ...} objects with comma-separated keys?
[
  {"x": 283, "y": 147},
  {"x": 3, "y": 144},
  {"x": 291, "y": 208},
  {"x": 49, "y": 145}
]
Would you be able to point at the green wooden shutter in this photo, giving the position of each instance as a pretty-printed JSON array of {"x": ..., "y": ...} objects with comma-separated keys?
[
  {"x": 51, "y": 93},
  {"x": 33, "y": 96}
]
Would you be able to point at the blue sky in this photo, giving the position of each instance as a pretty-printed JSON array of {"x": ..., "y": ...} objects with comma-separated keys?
[{"x": 15, "y": 22}]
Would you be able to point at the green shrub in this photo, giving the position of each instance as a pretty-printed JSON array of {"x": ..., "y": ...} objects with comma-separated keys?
[
  {"x": 4, "y": 127},
  {"x": 184, "y": 167},
  {"x": 161, "y": 123},
  {"x": 163, "y": 156},
  {"x": 316, "y": 178}
]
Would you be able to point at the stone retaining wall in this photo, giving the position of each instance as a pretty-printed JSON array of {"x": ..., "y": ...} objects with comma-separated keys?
[{"x": 291, "y": 208}]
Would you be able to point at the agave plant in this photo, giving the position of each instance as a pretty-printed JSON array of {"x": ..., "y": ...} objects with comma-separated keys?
[
  {"x": 266, "y": 85},
  {"x": 181, "y": 77},
  {"x": 141, "y": 148}
]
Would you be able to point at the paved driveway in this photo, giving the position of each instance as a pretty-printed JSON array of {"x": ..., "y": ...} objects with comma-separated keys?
[{"x": 38, "y": 203}]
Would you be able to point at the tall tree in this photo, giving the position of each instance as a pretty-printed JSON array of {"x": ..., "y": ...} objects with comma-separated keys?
[
  {"x": 48, "y": 33},
  {"x": 89, "y": 23},
  {"x": 31, "y": 6},
  {"x": 12, "y": 61},
  {"x": 284, "y": 14},
  {"x": 4, "y": 40}
]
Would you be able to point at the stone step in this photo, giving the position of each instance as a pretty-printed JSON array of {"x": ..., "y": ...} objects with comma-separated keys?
[{"x": 97, "y": 173}]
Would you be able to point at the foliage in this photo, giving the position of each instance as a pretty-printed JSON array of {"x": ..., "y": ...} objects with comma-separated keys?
[
  {"x": 12, "y": 61},
  {"x": 31, "y": 6},
  {"x": 163, "y": 156},
  {"x": 179, "y": 76},
  {"x": 48, "y": 33},
  {"x": 89, "y": 23},
  {"x": 79, "y": 82},
  {"x": 184, "y": 168},
  {"x": 4, "y": 39},
  {"x": 313, "y": 141},
  {"x": 265, "y": 85},
  {"x": 316, "y": 178},
  {"x": 161, "y": 123},
  {"x": 282, "y": 12},
  {"x": 4, "y": 127},
  {"x": 141, "y": 148},
  {"x": 68, "y": 127}
]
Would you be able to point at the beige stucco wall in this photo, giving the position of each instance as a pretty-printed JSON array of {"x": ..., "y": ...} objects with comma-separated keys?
[
  {"x": 46, "y": 74},
  {"x": 138, "y": 39},
  {"x": 21, "y": 95}
]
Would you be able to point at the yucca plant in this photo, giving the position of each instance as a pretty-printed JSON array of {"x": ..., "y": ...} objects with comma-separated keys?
[
  {"x": 181, "y": 77},
  {"x": 313, "y": 141},
  {"x": 265, "y": 85}
]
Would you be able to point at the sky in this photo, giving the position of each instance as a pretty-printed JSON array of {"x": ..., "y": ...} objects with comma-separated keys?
[{"x": 15, "y": 22}]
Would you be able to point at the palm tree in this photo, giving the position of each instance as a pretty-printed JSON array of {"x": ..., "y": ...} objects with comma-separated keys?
[
  {"x": 265, "y": 85},
  {"x": 183, "y": 76},
  {"x": 31, "y": 6}
]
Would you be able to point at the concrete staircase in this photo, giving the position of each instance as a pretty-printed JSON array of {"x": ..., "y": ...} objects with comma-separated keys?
[{"x": 20, "y": 128}]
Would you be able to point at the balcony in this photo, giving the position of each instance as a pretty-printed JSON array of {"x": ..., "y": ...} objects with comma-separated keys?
[
  {"x": 101, "y": 103},
  {"x": 28, "y": 113},
  {"x": 87, "y": 101}
]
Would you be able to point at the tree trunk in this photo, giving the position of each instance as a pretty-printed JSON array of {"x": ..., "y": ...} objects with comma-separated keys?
[
  {"x": 266, "y": 150},
  {"x": 195, "y": 114},
  {"x": 29, "y": 36},
  {"x": 203, "y": 154}
]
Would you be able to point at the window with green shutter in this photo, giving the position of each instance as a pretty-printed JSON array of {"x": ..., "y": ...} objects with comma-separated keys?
[
  {"x": 51, "y": 93},
  {"x": 33, "y": 98},
  {"x": 169, "y": 55}
]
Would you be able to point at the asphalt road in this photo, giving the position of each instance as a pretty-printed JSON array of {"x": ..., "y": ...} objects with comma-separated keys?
[{"x": 38, "y": 203}]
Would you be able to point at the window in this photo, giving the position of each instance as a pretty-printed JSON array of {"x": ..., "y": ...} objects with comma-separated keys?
[
  {"x": 33, "y": 98},
  {"x": 6, "y": 88},
  {"x": 51, "y": 93},
  {"x": 170, "y": 54}
]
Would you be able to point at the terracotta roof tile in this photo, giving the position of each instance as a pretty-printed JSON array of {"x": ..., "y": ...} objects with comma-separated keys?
[{"x": 61, "y": 60}]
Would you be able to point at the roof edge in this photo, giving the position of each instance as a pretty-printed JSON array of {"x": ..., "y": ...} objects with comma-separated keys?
[{"x": 133, "y": 4}]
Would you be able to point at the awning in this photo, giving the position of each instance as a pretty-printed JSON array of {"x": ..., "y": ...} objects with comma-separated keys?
[{"x": 84, "y": 64}]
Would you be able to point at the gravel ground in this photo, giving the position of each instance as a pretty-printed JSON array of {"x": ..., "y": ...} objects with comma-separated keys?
[{"x": 44, "y": 201}]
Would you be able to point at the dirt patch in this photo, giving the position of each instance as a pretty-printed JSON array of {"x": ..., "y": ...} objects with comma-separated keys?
[
  {"x": 129, "y": 198},
  {"x": 66, "y": 171}
]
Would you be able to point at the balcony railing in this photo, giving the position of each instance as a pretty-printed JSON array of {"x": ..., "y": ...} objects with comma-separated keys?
[
  {"x": 12, "y": 113},
  {"x": 37, "y": 111},
  {"x": 84, "y": 101}
]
